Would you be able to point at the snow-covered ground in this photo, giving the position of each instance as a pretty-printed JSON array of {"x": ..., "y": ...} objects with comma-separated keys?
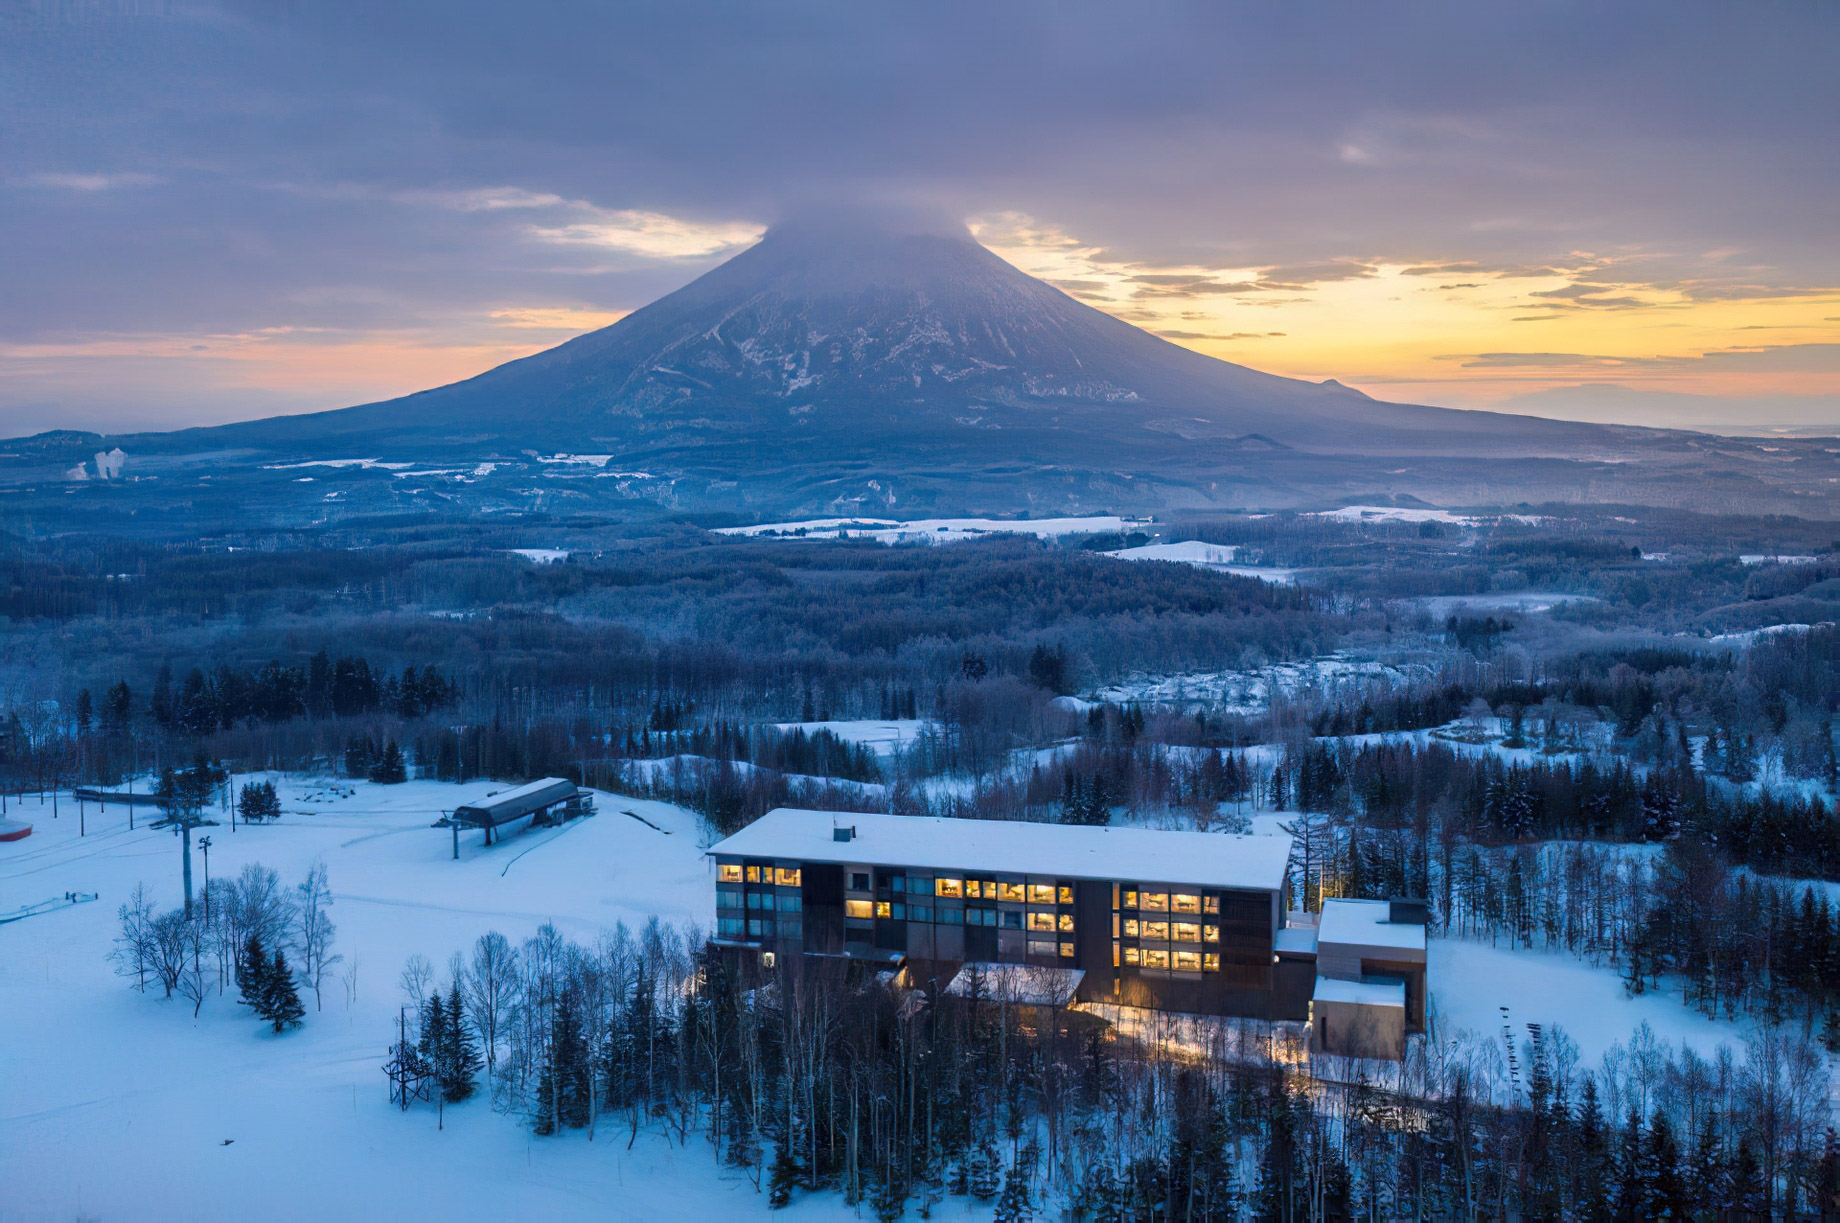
[
  {"x": 1518, "y": 601},
  {"x": 540, "y": 556},
  {"x": 932, "y": 530},
  {"x": 886, "y": 737},
  {"x": 1471, "y": 981},
  {"x": 117, "y": 1105},
  {"x": 1248, "y": 691},
  {"x": 1218, "y": 557}
]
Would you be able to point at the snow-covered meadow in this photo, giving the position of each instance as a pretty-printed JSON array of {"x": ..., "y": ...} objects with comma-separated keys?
[{"x": 116, "y": 1105}]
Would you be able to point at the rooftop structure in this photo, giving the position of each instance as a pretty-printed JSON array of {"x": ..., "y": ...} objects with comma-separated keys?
[
  {"x": 538, "y": 798},
  {"x": 1209, "y": 859}
]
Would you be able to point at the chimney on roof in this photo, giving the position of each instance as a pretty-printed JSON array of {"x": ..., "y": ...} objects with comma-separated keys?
[{"x": 844, "y": 834}]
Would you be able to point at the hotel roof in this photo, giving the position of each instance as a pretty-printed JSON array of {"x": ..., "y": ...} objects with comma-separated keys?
[
  {"x": 1205, "y": 859},
  {"x": 1363, "y": 923}
]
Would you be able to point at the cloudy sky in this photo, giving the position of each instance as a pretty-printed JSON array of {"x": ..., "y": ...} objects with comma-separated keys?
[{"x": 1628, "y": 211}]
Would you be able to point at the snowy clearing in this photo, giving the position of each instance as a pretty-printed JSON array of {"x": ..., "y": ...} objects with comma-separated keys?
[
  {"x": 932, "y": 530},
  {"x": 540, "y": 556},
  {"x": 117, "y": 1105},
  {"x": 1472, "y": 981},
  {"x": 886, "y": 737},
  {"x": 1520, "y": 601}
]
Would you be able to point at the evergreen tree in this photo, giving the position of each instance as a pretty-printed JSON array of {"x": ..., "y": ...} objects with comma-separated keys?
[
  {"x": 252, "y": 974},
  {"x": 1706, "y": 1179},
  {"x": 462, "y": 1060},
  {"x": 389, "y": 770},
  {"x": 784, "y": 1176},
  {"x": 280, "y": 1000},
  {"x": 1631, "y": 1196},
  {"x": 1593, "y": 1157},
  {"x": 985, "y": 1170},
  {"x": 1014, "y": 1205},
  {"x": 1666, "y": 1190}
]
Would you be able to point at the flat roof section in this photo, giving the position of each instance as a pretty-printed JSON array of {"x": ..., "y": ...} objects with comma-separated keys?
[
  {"x": 1203, "y": 859},
  {"x": 1362, "y": 993},
  {"x": 1363, "y": 923}
]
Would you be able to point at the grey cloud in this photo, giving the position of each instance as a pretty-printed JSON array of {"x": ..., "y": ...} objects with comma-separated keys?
[{"x": 235, "y": 164}]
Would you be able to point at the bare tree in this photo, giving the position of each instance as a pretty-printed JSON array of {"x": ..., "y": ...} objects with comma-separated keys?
[
  {"x": 134, "y": 954},
  {"x": 491, "y": 988},
  {"x": 314, "y": 930}
]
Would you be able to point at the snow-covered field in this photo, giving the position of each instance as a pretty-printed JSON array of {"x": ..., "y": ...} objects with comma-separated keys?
[
  {"x": 1218, "y": 557},
  {"x": 932, "y": 530},
  {"x": 117, "y": 1106},
  {"x": 1517, "y": 601},
  {"x": 886, "y": 737},
  {"x": 1244, "y": 691},
  {"x": 1472, "y": 981}
]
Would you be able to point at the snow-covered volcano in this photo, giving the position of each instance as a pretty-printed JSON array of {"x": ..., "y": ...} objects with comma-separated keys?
[
  {"x": 851, "y": 360},
  {"x": 839, "y": 337}
]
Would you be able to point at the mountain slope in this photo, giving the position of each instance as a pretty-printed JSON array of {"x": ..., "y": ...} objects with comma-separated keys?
[
  {"x": 838, "y": 338},
  {"x": 850, "y": 361}
]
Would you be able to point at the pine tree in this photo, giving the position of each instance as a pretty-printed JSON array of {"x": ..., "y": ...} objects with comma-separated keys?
[
  {"x": 462, "y": 1060},
  {"x": 1706, "y": 1180},
  {"x": 784, "y": 1175},
  {"x": 1666, "y": 1192},
  {"x": 280, "y": 1000},
  {"x": 1593, "y": 1157},
  {"x": 984, "y": 1171},
  {"x": 1631, "y": 1186},
  {"x": 1014, "y": 1205},
  {"x": 389, "y": 769},
  {"x": 252, "y": 974},
  {"x": 433, "y": 1045}
]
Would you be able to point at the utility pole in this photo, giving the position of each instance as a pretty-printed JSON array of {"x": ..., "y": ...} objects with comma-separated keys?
[{"x": 204, "y": 843}]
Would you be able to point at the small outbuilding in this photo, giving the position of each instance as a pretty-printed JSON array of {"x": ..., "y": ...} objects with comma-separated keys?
[{"x": 550, "y": 799}]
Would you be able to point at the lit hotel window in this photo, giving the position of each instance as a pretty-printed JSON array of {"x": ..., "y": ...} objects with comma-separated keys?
[
  {"x": 1130, "y": 955},
  {"x": 753, "y": 874},
  {"x": 858, "y": 908},
  {"x": 1155, "y": 902},
  {"x": 1210, "y": 934},
  {"x": 1041, "y": 893},
  {"x": 1066, "y": 923},
  {"x": 1155, "y": 929},
  {"x": 1155, "y": 959},
  {"x": 1066, "y": 951},
  {"x": 1183, "y": 902},
  {"x": 1066, "y": 894},
  {"x": 882, "y": 909},
  {"x": 1012, "y": 892},
  {"x": 951, "y": 888},
  {"x": 1211, "y": 962},
  {"x": 786, "y": 878},
  {"x": 1130, "y": 927},
  {"x": 1187, "y": 932},
  {"x": 1188, "y": 961},
  {"x": 1130, "y": 900},
  {"x": 728, "y": 872},
  {"x": 1211, "y": 904},
  {"x": 1041, "y": 921}
]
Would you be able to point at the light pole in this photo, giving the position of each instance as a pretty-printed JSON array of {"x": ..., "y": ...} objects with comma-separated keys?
[{"x": 204, "y": 843}]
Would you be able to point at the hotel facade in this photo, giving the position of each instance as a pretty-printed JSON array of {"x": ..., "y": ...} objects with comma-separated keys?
[{"x": 1179, "y": 921}]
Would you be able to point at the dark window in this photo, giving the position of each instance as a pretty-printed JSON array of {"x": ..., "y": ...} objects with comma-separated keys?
[
  {"x": 1012, "y": 919},
  {"x": 730, "y": 927},
  {"x": 951, "y": 917},
  {"x": 728, "y": 898},
  {"x": 859, "y": 881},
  {"x": 760, "y": 929},
  {"x": 788, "y": 903},
  {"x": 919, "y": 912}
]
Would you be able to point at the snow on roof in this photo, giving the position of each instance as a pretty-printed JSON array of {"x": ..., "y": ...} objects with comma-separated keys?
[
  {"x": 1205, "y": 859},
  {"x": 1363, "y": 923},
  {"x": 510, "y": 804},
  {"x": 1298, "y": 940},
  {"x": 1028, "y": 984},
  {"x": 1365, "y": 993}
]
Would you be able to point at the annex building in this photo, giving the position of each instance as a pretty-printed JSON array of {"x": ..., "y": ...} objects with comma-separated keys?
[{"x": 1179, "y": 921}]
